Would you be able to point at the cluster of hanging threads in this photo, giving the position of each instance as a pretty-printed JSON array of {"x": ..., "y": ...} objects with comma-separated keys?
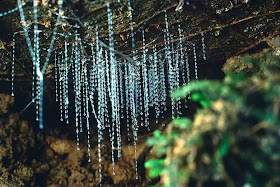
[
  {"x": 34, "y": 52},
  {"x": 131, "y": 93}
]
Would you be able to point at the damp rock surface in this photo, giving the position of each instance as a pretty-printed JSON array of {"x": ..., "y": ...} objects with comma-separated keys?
[{"x": 30, "y": 158}]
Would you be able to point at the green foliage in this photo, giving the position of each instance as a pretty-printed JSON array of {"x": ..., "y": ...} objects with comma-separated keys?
[
  {"x": 156, "y": 166},
  {"x": 237, "y": 124},
  {"x": 206, "y": 91},
  {"x": 182, "y": 123},
  {"x": 224, "y": 146},
  {"x": 222, "y": 150},
  {"x": 202, "y": 98},
  {"x": 160, "y": 140}
]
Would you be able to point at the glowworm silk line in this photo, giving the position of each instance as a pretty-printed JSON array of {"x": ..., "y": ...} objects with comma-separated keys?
[{"x": 11, "y": 11}]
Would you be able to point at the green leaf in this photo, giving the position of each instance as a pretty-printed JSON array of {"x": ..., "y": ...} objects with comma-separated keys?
[
  {"x": 202, "y": 98},
  {"x": 154, "y": 163},
  {"x": 215, "y": 161},
  {"x": 155, "y": 172},
  {"x": 157, "y": 133},
  {"x": 161, "y": 151},
  {"x": 206, "y": 103},
  {"x": 150, "y": 163},
  {"x": 158, "y": 141},
  {"x": 182, "y": 123},
  {"x": 203, "y": 85},
  {"x": 224, "y": 146},
  {"x": 196, "y": 96},
  {"x": 152, "y": 141}
]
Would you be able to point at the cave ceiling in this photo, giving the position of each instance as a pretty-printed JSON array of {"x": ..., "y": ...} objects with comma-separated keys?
[{"x": 230, "y": 27}]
